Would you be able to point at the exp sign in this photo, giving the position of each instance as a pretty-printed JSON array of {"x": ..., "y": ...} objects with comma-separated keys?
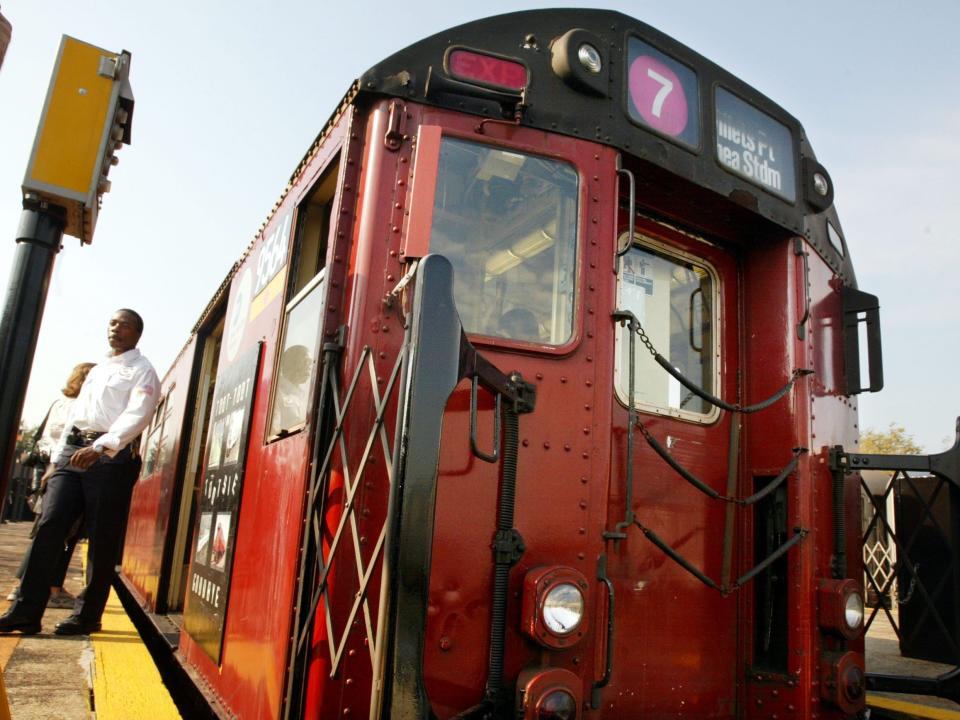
[
  {"x": 753, "y": 145},
  {"x": 662, "y": 94}
]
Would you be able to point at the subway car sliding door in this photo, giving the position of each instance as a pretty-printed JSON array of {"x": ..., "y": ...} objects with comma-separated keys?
[{"x": 670, "y": 626}]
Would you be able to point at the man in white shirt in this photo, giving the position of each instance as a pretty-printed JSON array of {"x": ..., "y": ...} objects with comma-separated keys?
[{"x": 95, "y": 473}]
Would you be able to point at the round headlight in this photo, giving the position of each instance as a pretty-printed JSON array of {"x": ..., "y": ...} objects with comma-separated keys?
[
  {"x": 853, "y": 611},
  {"x": 563, "y": 608},
  {"x": 590, "y": 58},
  {"x": 820, "y": 184}
]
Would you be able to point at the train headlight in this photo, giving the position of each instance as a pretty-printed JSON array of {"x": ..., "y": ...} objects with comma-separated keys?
[
  {"x": 821, "y": 184},
  {"x": 853, "y": 613},
  {"x": 589, "y": 57},
  {"x": 563, "y": 608},
  {"x": 554, "y": 606},
  {"x": 841, "y": 607}
]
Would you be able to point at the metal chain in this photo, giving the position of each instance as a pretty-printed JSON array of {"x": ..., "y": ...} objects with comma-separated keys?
[
  {"x": 632, "y": 321},
  {"x": 644, "y": 339}
]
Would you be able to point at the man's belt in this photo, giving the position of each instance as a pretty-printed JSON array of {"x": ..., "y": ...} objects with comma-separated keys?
[{"x": 82, "y": 438}]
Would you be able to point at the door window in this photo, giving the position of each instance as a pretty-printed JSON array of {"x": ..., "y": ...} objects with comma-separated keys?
[
  {"x": 675, "y": 297},
  {"x": 507, "y": 222}
]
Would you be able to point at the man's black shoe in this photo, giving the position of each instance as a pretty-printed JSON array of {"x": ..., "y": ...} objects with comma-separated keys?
[
  {"x": 76, "y": 626},
  {"x": 13, "y": 620}
]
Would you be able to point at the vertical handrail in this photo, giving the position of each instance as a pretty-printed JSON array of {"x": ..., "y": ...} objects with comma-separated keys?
[
  {"x": 474, "y": 445},
  {"x": 632, "y": 205},
  {"x": 800, "y": 251},
  {"x": 608, "y": 665}
]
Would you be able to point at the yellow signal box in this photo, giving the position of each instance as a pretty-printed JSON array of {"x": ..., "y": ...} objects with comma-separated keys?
[{"x": 86, "y": 118}]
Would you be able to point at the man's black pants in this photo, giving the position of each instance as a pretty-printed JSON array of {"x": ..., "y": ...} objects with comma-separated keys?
[{"x": 102, "y": 493}]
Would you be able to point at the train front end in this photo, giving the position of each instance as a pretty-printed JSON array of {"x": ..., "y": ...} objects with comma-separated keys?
[{"x": 605, "y": 295}]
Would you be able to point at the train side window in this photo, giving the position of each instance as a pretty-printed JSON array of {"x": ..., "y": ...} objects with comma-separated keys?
[
  {"x": 507, "y": 221},
  {"x": 313, "y": 229},
  {"x": 297, "y": 362},
  {"x": 159, "y": 441},
  {"x": 675, "y": 298}
]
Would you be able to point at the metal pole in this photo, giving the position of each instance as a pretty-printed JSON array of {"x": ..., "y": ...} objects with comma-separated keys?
[{"x": 38, "y": 242}]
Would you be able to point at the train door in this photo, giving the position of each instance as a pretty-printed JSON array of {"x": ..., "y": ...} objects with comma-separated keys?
[
  {"x": 210, "y": 339},
  {"x": 676, "y": 296},
  {"x": 520, "y": 215}
]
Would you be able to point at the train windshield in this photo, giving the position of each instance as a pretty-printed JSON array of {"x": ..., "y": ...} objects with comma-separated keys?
[{"x": 507, "y": 221}]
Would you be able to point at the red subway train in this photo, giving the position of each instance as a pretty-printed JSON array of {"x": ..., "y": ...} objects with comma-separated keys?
[{"x": 521, "y": 404}]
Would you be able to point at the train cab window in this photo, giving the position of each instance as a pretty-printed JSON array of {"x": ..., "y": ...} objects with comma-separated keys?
[
  {"x": 674, "y": 296},
  {"x": 507, "y": 221},
  {"x": 297, "y": 361}
]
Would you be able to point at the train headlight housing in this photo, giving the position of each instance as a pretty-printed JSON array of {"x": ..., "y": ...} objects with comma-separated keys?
[
  {"x": 841, "y": 607},
  {"x": 546, "y": 693},
  {"x": 554, "y": 606},
  {"x": 843, "y": 681}
]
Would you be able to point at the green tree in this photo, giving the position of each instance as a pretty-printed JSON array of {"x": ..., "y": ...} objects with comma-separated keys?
[{"x": 893, "y": 441}]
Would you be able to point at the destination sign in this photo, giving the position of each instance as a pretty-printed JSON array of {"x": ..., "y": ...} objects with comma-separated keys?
[
  {"x": 753, "y": 145},
  {"x": 662, "y": 93}
]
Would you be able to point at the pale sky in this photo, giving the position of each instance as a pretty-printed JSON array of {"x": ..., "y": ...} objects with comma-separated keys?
[{"x": 229, "y": 95}]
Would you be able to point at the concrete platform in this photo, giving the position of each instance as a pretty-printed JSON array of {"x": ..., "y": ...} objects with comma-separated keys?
[
  {"x": 107, "y": 676},
  {"x": 883, "y": 656}
]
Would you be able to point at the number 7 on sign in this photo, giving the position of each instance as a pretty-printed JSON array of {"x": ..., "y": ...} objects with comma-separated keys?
[
  {"x": 666, "y": 87},
  {"x": 657, "y": 96}
]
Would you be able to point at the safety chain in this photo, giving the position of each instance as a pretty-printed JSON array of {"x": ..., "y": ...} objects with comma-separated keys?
[
  {"x": 641, "y": 333},
  {"x": 787, "y": 470},
  {"x": 628, "y": 318},
  {"x": 799, "y": 533},
  {"x": 726, "y": 585}
]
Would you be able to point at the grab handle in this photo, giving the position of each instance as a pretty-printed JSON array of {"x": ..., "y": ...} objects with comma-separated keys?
[
  {"x": 620, "y": 252},
  {"x": 474, "y": 446},
  {"x": 860, "y": 307}
]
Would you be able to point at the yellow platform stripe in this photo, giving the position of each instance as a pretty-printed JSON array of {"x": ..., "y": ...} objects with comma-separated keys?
[
  {"x": 126, "y": 683},
  {"x": 4, "y": 703},
  {"x": 911, "y": 710}
]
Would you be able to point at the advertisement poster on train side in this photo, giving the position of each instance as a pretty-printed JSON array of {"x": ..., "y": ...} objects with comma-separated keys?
[{"x": 219, "y": 503}]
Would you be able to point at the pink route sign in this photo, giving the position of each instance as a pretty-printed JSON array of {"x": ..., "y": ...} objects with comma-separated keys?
[{"x": 657, "y": 95}]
